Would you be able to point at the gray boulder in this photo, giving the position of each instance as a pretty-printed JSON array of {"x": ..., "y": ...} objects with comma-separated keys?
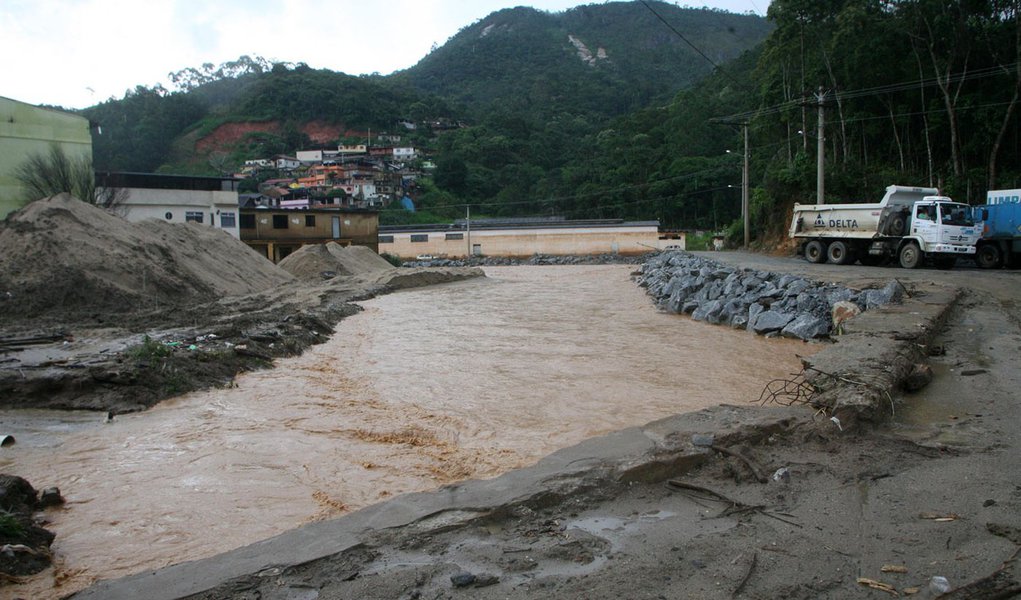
[
  {"x": 770, "y": 320},
  {"x": 806, "y": 327}
]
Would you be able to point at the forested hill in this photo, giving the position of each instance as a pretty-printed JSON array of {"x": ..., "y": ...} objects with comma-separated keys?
[
  {"x": 517, "y": 69},
  {"x": 605, "y": 59}
]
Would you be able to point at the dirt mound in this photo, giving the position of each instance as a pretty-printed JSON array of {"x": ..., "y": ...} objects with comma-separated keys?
[
  {"x": 318, "y": 261},
  {"x": 65, "y": 259}
]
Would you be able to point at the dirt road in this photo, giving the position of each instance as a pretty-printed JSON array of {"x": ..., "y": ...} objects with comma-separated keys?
[{"x": 653, "y": 512}]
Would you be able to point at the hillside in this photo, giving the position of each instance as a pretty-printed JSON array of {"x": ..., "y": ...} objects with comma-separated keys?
[
  {"x": 518, "y": 69},
  {"x": 605, "y": 59}
]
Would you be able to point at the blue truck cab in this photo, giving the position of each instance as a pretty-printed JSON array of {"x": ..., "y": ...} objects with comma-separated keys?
[{"x": 1000, "y": 244}]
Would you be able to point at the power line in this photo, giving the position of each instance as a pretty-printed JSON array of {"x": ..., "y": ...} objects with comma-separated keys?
[{"x": 686, "y": 41}]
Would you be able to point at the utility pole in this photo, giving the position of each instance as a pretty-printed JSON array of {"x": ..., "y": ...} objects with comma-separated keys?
[
  {"x": 744, "y": 189},
  {"x": 468, "y": 226},
  {"x": 820, "y": 172}
]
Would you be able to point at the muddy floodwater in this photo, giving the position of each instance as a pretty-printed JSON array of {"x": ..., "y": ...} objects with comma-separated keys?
[{"x": 425, "y": 387}]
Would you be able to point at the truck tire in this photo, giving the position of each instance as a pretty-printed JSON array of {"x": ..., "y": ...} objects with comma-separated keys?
[
  {"x": 898, "y": 224},
  {"x": 815, "y": 252},
  {"x": 839, "y": 253},
  {"x": 988, "y": 256},
  {"x": 910, "y": 256}
]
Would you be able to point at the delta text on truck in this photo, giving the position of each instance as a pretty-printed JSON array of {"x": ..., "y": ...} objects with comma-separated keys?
[
  {"x": 912, "y": 225},
  {"x": 1001, "y": 230}
]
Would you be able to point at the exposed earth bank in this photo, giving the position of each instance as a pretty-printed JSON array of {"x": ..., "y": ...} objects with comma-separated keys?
[
  {"x": 858, "y": 489},
  {"x": 102, "y": 314}
]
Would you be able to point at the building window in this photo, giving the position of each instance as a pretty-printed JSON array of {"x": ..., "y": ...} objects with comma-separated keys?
[
  {"x": 247, "y": 221},
  {"x": 386, "y": 239},
  {"x": 455, "y": 236},
  {"x": 420, "y": 237},
  {"x": 279, "y": 221},
  {"x": 193, "y": 216},
  {"x": 227, "y": 220},
  {"x": 310, "y": 220}
]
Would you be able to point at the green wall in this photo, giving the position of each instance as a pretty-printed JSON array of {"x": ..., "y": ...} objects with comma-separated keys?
[{"x": 25, "y": 130}]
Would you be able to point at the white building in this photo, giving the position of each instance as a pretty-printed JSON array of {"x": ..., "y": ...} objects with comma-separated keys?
[
  {"x": 404, "y": 153},
  {"x": 286, "y": 162},
  {"x": 211, "y": 201}
]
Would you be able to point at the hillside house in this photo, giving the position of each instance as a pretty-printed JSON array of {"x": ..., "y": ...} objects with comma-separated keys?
[
  {"x": 286, "y": 163},
  {"x": 406, "y": 153},
  {"x": 25, "y": 130}
]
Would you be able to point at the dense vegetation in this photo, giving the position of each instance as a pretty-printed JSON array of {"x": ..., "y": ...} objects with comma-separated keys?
[{"x": 916, "y": 92}]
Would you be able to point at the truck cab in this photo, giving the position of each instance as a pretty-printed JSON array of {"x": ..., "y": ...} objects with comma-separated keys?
[{"x": 941, "y": 229}]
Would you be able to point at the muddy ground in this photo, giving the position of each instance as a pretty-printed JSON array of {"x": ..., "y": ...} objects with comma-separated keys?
[{"x": 740, "y": 501}]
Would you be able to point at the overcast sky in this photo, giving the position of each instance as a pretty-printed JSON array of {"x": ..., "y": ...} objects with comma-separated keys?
[{"x": 76, "y": 53}]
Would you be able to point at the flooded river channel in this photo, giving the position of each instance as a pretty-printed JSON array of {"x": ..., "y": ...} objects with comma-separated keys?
[{"x": 425, "y": 387}]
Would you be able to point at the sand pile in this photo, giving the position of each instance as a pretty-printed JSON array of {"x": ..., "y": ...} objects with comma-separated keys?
[
  {"x": 319, "y": 261},
  {"x": 65, "y": 259}
]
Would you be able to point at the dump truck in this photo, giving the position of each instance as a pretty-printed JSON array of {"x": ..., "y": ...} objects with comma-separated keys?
[
  {"x": 912, "y": 225},
  {"x": 1001, "y": 229}
]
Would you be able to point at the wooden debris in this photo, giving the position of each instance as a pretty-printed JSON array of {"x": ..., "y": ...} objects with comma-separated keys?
[
  {"x": 878, "y": 585},
  {"x": 747, "y": 576},
  {"x": 894, "y": 569},
  {"x": 756, "y": 471},
  {"x": 939, "y": 517}
]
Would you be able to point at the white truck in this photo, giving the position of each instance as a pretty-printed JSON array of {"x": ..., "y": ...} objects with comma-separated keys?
[{"x": 910, "y": 224}]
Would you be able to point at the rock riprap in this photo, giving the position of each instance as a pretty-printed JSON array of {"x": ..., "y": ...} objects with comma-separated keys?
[{"x": 760, "y": 301}]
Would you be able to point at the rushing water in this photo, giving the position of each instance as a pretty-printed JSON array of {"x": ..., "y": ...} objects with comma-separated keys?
[{"x": 424, "y": 387}]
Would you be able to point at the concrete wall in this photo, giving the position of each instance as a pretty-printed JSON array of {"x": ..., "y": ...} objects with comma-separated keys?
[
  {"x": 527, "y": 241},
  {"x": 25, "y": 130},
  {"x": 173, "y": 206}
]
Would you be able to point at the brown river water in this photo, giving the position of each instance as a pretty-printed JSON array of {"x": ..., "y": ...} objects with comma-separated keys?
[{"x": 425, "y": 387}]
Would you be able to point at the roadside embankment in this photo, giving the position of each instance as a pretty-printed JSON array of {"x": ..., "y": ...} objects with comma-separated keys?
[{"x": 882, "y": 334}]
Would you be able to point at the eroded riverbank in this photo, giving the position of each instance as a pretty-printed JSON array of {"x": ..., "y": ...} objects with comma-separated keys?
[{"x": 424, "y": 387}]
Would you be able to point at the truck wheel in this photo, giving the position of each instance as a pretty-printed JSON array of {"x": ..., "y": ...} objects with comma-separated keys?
[
  {"x": 839, "y": 253},
  {"x": 988, "y": 256},
  {"x": 910, "y": 256},
  {"x": 815, "y": 251},
  {"x": 897, "y": 225}
]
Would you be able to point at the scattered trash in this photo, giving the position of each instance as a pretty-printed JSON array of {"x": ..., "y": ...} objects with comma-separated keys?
[
  {"x": 836, "y": 421},
  {"x": 9, "y": 550},
  {"x": 911, "y": 591},
  {"x": 893, "y": 569},
  {"x": 193, "y": 347},
  {"x": 970, "y": 372},
  {"x": 878, "y": 585},
  {"x": 172, "y": 344},
  {"x": 50, "y": 497},
  {"x": 919, "y": 377},
  {"x": 486, "y": 579},
  {"x": 6, "y": 440},
  {"x": 939, "y": 517},
  {"x": 782, "y": 474},
  {"x": 939, "y": 585}
]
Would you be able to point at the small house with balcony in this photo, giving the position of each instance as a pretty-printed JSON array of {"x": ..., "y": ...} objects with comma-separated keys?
[{"x": 277, "y": 232}]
